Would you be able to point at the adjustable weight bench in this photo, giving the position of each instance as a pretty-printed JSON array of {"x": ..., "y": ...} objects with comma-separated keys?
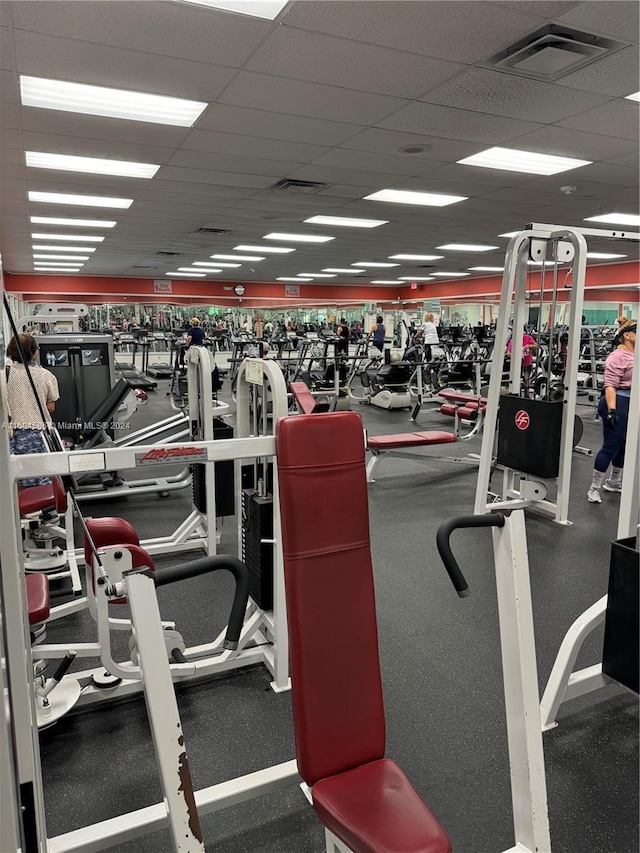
[
  {"x": 464, "y": 408},
  {"x": 306, "y": 402},
  {"x": 364, "y": 800},
  {"x": 400, "y": 444}
]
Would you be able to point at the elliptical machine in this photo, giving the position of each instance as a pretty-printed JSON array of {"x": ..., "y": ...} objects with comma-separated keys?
[{"x": 385, "y": 384}]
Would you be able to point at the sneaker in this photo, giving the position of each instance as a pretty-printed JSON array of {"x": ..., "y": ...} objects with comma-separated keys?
[
  {"x": 593, "y": 495},
  {"x": 609, "y": 486}
]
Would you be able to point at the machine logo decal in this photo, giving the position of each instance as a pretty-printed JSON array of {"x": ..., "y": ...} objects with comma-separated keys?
[
  {"x": 522, "y": 419},
  {"x": 172, "y": 454}
]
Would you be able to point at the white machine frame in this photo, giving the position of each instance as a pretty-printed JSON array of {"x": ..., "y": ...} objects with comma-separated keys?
[{"x": 568, "y": 245}]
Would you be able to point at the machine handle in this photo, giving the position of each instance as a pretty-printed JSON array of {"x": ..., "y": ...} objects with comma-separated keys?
[
  {"x": 443, "y": 535},
  {"x": 59, "y": 674},
  {"x": 212, "y": 564}
]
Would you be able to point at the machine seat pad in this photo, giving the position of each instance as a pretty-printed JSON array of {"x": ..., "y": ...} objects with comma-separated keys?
[
  {"x": 458, "y": 397},
  {"x": 38, "y": 498},
  {"x": 469, "y": 413},
  {"x": 305, "y": 399},
  {"x": 374, "y": 808},
  {"x": 410, "y": 439},
  {"x": 449, "y": 409},
  {"x": 37, "y": 596}
]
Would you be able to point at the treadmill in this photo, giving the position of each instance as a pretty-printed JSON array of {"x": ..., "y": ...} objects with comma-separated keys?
[
  {"x": 158, "y": 369},
  {"x": 128, "y": 370}
]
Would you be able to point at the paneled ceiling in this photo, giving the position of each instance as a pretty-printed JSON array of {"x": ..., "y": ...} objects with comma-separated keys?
[{"x": 333, "y": 92}]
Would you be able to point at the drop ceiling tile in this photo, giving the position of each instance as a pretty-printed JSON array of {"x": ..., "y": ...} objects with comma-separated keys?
[
  {"x": 617, "y": 20},
  {"x": 197, "y": 176},
  {"x": 8, "y": 88},
  {"x": 473, "y": 179},
  {"x": 230, "y": 163},
  {"x": 457, "y": 124},
  {"x": 604, "y": 173},
  {"x": 399, "y": 164},
  {"x": 330, "y": 175},
  {"x": 423, "y": 28},
  {"x": 99, "y": 65},
  {"x": 252, "y": 146},
  {"x": 179, "y": 193},
  {"x": 563, "y": 142},
  {"x": 616, "y": 118},
  {"x": 7, "y": 50},
  {"x": 301, "y": 98},
  {"x": 340, "y": 62},
  {"x": 503, "y": 94},
  {"x": 380, "y": 141},
  {"x": 10, "y": 116},
  {"x": 629, "y": 160},
  {"x": 543, "y": 8},
  {"x": 86, "y": 147},
  {"x": 615, "y": 74},
  {"x": 168, "y": 29},
  {"x": 97, "y": 127},
  {"x": 227, "y": 119}
]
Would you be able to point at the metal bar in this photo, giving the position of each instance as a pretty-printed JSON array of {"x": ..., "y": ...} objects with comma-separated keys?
[{"x": 630, "y": 497}]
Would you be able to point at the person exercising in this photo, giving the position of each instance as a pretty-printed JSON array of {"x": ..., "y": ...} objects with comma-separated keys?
[
  {"x": 342, "y": 344},
  {"x": 528, "y": 347},
  {"x": 613, "y": 408},
  {"x": 376, "y": 334},
  {"x": 195, "y": 333}
]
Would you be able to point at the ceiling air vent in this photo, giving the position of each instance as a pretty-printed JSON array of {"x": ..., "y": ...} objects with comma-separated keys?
[
  {"x": 144, "y": 267},
  {"x": 289, "y": 185},
  {"x": 211, "y": 231},
  {"x": 168, "y": 254},
  {"x": 552, "y": 52}
]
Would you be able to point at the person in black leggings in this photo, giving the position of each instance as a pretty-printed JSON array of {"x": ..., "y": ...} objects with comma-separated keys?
[{"x": 613, "y": 408}]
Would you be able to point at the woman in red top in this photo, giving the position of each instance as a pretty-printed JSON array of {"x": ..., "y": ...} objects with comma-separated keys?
[{"x": 613, "y": 408}]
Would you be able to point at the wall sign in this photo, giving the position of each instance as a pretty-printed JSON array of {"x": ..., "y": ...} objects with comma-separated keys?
[
  {"x": 292, "y": 290},
  {"x": 162, "y": 285}
]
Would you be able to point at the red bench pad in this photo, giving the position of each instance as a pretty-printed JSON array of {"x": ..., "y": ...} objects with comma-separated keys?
[
  {"x": 458, "y": 397},
  {"x": 305, "y": 399},
  {"x": 375, "y": 809},
  {"x": 38, "y": 498},
  {"x": 37, "y": 595},
  {"x": 449, "y": 409},
  {"x": 410, "y": 439},
  {"x": 113, "y": 533}
]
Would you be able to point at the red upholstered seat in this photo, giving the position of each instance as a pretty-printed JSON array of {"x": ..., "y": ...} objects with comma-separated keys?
[
  {"x": 111, "y": 533},
  {"x": 39, "y": 498},
  {"x": 336, "y": 689},
  {"x": 410, "y": 439},
  {"x": 375, "y": 808},
  {"x": 37, "y": 595}
]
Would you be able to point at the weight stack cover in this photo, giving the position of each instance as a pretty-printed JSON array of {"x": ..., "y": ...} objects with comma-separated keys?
[
  {"x": 257, "y": 524},
  {"x": 529, "y": 434},
  {"x": 621, "y": 635},
  {"x": 224, "y": 476}
]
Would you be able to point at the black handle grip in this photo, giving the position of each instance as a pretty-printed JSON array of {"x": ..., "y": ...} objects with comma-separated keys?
[
  {"x": 64, "y": 665},
  {"x": 444, "y": 548},
  {"x": 212, "y": 564}
]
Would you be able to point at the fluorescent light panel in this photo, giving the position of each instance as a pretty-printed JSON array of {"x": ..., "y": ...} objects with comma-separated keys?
[
  {"x": 222, "y": 265},
  {"x": 412, "y": 197},
  {"x": 208, "y": 267},
  {"x": 272, "y": 250},
  {"x": 634, "y": 97},
  {"x": 338, "y": 269},
  {"x": 75, "y": 223},
  {"x": 450, "y": 274},
  {"x": 179, "y": 274},
  {"x": 317, "y": 275},
  {"x": 298, "y": 238},
  {"x": 111, "y": 103},
  {"x": 45, "y": 248},
  {"x": 486, "y": 269},
  {"x": 514, "y": 160},
  {"x": 416, "y": 278},
  {"x": 62, "y": 257},
  {"x": 39, "y": 268},
  {"x": 299, "y": 278},
  {"x": 90, "y": 165},
  {"x": 616, "y": 218},
  {"x": 416, "y": 257},
  {"x": 466, "y": 247},
  {"x": 78, "y": 237},
  {"x": 604, "y": 255},
  {"x": 267, "y": 9},
  {"x": 86, "y": 200},
  {"x": 346, "y": 221},
  {"x": 238, "y": 257},
  {"x": 509, "y": 234},
  {"x": 373, "y": 264},
  {"x": 386, "y": 281}
]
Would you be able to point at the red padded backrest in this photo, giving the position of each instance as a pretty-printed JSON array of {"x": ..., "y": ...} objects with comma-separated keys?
[
  {"x": 108, "y": 531},
  {"x": 338, "y": 711},
  {"x": 60, "y": 495}
]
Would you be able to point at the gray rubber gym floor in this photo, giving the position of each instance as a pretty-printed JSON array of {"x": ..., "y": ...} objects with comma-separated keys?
[{"x": 441, "y": 670}]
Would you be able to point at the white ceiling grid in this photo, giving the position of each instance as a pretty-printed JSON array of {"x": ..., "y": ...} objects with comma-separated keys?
[{"x": 330, "y": 92}]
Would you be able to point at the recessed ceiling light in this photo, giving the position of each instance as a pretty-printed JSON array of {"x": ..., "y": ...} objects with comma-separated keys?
[
  {"x": 342, "y": 270},
  {"x": 219, "y": 264},
  {"x": 87, "y": 200},
  {"x": 208, "y": 267},
  {"x": 299, "y": 278},
  {"x": 78, "y": 237},
  {"x": 179, "y": 274},
  {"x": 466, "y": 247},
  {"x": 450, "y": 274},
  {"x": 61, "y": 257},
  {"x": 267, "y": 9},
  {"x": 513, "y": 160},
  {"x": 298, "y": 238},
  {"x": 509, "y": 234},
  {"x": 75, "y": 223},
  {"x": 386, "y": 281},
  {"x": 415, "y": 278},
  {"x": 238, "y": 257},
  {"x": 90, "y": 165},
  {"x": 272, "y": 250},
  {"x": 112, "y": 103},
  {"x": 616, "y": 218},
  {"x": 634, "y": 97},
  {"x": 346, "y": 221},
  {"x": 486, "y": 269},
  {"x": 604, "y": 255},
  {"x": 317, "y": 275},
  {"x": 417, "y": 257},
  {"x": 411, "y": 197},
  {"x": 44, "y": 248},
  {"x": 373, "y": 264}
]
